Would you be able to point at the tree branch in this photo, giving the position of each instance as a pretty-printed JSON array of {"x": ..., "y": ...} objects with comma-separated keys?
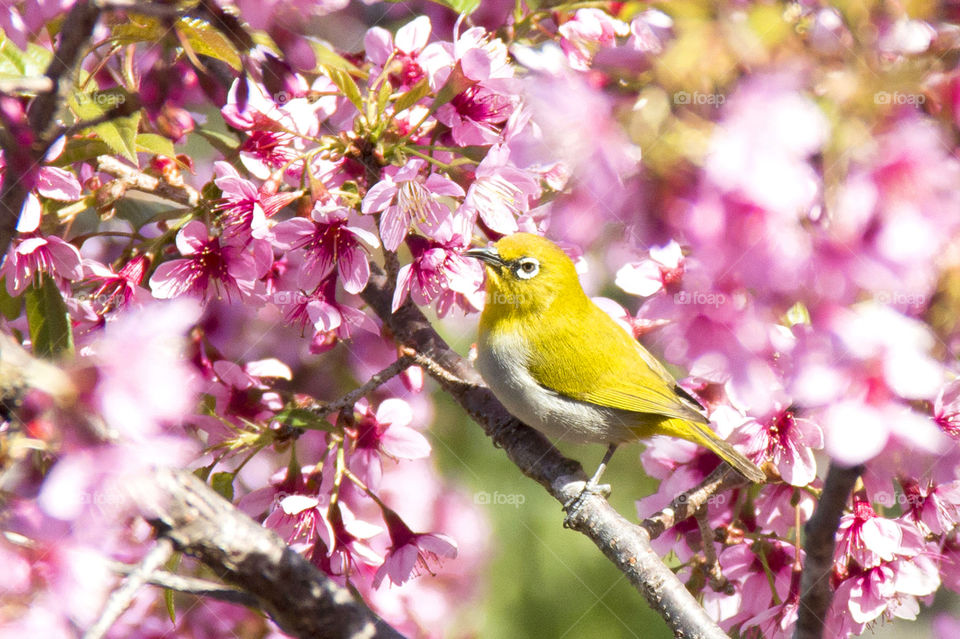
[
  {"x": 625, "y": 544},
  {"x": 303, "y": 601},
  {"x": 821, "y": 530},
  {"x": 132, "y": 178},
  {"x": 191, "y": 585},
  {"x": 121, "y": 598},
  {"x": 722, "y": 479}
]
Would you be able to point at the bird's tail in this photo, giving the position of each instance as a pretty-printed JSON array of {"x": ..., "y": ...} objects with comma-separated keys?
[{"x": 701, "y": 434}]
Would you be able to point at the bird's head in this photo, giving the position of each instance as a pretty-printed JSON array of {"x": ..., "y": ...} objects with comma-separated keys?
[{"x": 527, "y": 274}]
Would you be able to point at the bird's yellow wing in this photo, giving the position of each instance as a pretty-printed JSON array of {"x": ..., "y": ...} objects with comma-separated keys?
[{"x": 604, "y": 365}]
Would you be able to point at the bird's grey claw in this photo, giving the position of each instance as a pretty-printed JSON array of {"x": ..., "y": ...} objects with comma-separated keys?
[{"x": 573, "y": 505}]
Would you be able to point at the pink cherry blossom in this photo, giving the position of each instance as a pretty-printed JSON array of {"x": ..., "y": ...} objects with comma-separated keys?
[
  {"x": 240, "y": 392},
  {"x": 649, "y": 31},
  {"x": 946, "y": 409},
  {"x": 866, "y": 538},
  {"x": 328, "y": 241},
  {"x": 139, "y": 395},
  {"x": 500, "y": 191},
  {"x": 35, "y": 255},
  {"x": 407, "y": 197},
  {"x": 403, "y": 50},
  {"x": 330, "y": 320},
  {"x": 120, "y": 289},
  {"x": 586, "y": 32},
  {"x": 228, "y": 270},
  {"x": 386, "y": 432},
  {"x": 411, "y": 554},
  {"x": 663, "y": 268},
  {"x": 786, "y": 441},
  {"x": 935, "y": 508},
  {"x": 440, "y": 271},
  {"x": 245, "y": 208}
]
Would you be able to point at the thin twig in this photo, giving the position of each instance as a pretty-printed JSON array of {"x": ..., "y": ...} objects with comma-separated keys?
[
  {"x": 122, "y": 597},
  {"x": 711, "y": 565},
  {"x": 378, "y": 379},
  {"x": 821, "y": 530},
  {"x": 134, "y": 179},
  {"x": 722, "y": 479},
  {"x": 191, "y": 585}
]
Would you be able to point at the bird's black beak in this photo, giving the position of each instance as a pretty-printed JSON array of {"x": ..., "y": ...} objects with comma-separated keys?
[{"x": 488, "y": 255}]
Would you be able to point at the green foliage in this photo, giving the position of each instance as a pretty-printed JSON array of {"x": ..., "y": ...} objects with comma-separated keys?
[
  {"x": 156, "y": 144},
  {"x": 223, "y": 484},
  {"x": 10, "y": 307},
  {"x": 303, "y": 418},
  {"x": 49, "y": 322},
  {"x": 346, "y": 83},
  {"x": 16, "y": 63},
  {"x": 119, "y": 134}
]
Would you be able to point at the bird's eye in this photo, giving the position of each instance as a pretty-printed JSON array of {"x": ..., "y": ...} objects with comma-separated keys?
[{"x": 527, "y": 268}]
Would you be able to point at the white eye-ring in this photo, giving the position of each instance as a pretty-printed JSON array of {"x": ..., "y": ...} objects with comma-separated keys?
[{"x": 527, "y": 267}]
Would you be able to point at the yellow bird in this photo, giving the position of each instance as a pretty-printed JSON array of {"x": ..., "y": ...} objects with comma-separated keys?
[{"x": 560, "y": 364}]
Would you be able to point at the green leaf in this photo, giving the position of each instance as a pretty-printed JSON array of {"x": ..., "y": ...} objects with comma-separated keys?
[
  {"x": 345, "y": 83},
  {"x": 465, "y": 7},
  {"x": 49, "y": 322},
  {"x": 156, "y": 144},
  {"x": 204, "y": 472},
  {"x": 168, "y": 594},
  {"x": 303, "y": 418},
  {"x": 138, "y": 29},
  {"x": 200, "y": 35},
  {"x": 328, "y": 58},
  {"x": 206, "y": 40},
  {"x": 226, "y": 144},
  {"x": 383, "y": 96},
  {"x": 11, "y": 307},
  {"x": 416, "y": 93},
  {"x": 223, "y": 484},
  {"x": 119, "y": 134},
  {"x": 168, "y": 602},
  {"x": 16, "y": 63},
  {"x": 81, "y": 150}
]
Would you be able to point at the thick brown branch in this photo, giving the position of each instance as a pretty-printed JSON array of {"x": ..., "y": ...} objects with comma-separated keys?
[
  {"x": 303, "y": 601},
  {"x": 821, "y": 530},
  {"x": 625, "y": 544}
]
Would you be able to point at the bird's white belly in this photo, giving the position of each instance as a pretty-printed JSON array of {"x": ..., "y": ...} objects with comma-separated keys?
[{"x": 503, "y": 365}]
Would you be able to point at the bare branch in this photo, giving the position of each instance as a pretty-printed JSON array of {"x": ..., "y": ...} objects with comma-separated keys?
[
  {"x": 722, "y": 479},
  {"x": 711, "y": 565},
  {"x": 122, "y": 597},
  {"x": 303, "y": 601},
  {"x": 191, "y": 585},
  {"x": 376, "y": 380},
  {"x": 821, "y": 530},
  {"x": 625, "y": 544},
  {"x": 133, "y": 179}
]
